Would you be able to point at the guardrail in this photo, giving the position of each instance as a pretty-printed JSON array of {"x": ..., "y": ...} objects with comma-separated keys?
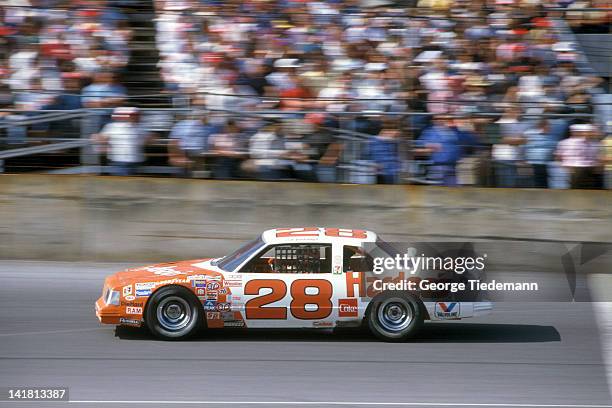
[{"x": 353, "y": 166}]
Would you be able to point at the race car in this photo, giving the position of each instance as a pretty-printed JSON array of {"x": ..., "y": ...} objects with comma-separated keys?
[{"x": 307, "y": 277}]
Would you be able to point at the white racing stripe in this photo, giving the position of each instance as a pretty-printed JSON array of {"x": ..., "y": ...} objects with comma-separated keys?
[
  {"x": 600, "y": 285},
  {"x": 603, "y": 313},
  {"x": 352, "y": 403}
]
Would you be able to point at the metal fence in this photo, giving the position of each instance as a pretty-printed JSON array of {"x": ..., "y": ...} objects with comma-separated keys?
[{"x": 62, "y": 142}]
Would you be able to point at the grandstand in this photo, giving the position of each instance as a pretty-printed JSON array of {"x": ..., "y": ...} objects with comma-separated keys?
[{"x": 502, "y": 93}]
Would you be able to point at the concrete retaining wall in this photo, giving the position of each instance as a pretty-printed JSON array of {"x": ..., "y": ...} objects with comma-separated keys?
[{"x": 150, "y": 219}]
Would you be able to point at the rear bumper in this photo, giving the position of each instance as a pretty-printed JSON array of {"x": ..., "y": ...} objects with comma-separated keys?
[{"x": 482, "y": 308}]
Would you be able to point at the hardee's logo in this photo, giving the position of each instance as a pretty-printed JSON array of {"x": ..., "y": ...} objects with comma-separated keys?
[{"x": 347, "y": 308}]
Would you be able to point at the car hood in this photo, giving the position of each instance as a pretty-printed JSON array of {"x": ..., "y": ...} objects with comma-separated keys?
[{"x": 165, "y": 271}]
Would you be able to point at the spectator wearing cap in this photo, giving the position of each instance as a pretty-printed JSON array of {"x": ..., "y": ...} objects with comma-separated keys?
[
  {"x": 34, "y": 99},
  {"x": 384, "y": 151},
  {"x": 539, "y": 146},
  {"x": 104, "y": 92},
  {"x": 228, "y": 148},
  {"x": 326, "y": 149},
  {"x": 283, "y": 78},
  {"x": 445, "y": 146},
  {"x": 253, "y": 75},
  {"x": 123, "y": 140},
  {"x": 508, "y": 153},
  {"x": 266, "y": 149},
  {"x": 70, "y": 97},
  {"x": 188, "y": 145},
  {"x": 298, "y": 159},
  {"x": 579, "y": 155}
]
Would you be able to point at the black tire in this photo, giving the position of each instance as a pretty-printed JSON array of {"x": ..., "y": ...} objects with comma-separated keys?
[
  {"x": 395, "y": 316},
  {"x": 173, "y": 313}
]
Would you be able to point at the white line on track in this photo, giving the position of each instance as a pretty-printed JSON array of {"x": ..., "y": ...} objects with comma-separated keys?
[
  {"x": 53, "y": 332},
  {"x": 352, "y": 403}
]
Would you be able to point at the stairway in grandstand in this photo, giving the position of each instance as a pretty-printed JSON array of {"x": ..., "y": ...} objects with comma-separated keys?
[
  {"x": 593, "y": 51},
  {"x": 142, "y": 76}
]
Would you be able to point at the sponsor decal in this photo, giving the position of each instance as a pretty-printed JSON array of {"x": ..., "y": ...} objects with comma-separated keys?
[
  {"x": 197, "y": 277},
  {"x": 200, "y": 291},
  {"x": 213, "y": 286},
  {"x": 199, "y": 283},
  {"x": 337, "y": 269},
  {"x": 212, "y": 295},
  {"x": 223, "y": 291},
  {"x": 143, "y": 292},
  {"x": 213, "y": 315},
  {"x": 133, "y": 310},
  {"x": 233, "y": 276},
  {"x": 129, "y": 321},
  {"x": 227, "y": 316},
  {"x": 447, "y": 310},
  {"x": 223, "y": 307},
  {"x": 170, "y": 281},
  {"x": 144, "y": 289},
  {"x": 213, "y": 277},
  {"x": 347, "y": 308},
  {"x": 233, "y": 284},
  {"x": 127, "y": 290},
  {"x": 209, "y": 305},
  {"x": 233, "y": 323},
  {"x": 164, "y": 270},
  {"x": 145, "y": 285},
  {"x": 322, "y": 323},
  {"x": 131, "y": 304},
  {"x": 130, "y": 297},
  {"x": 202, "y": 298}
]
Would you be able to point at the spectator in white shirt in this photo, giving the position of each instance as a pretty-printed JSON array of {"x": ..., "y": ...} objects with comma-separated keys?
[
  {"x": 123, "y": 140},
  {"x": 267, "y": 148},
  {"x": 580, "y": 155}
]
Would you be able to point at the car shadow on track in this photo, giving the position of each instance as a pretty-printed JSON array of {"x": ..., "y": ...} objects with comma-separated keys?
[{"x": 431, "y": 333}]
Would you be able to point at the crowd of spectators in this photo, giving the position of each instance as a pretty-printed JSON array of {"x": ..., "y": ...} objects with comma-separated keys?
[
  {"x": 484, "y": 81},
  {"x": 59, "y": 55},
  {"x": 450, "y": 92},
  {"x": 589, "y": 16}
]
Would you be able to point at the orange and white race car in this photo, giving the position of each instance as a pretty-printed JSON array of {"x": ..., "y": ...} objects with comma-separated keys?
[{"x": 285, "y": 278}]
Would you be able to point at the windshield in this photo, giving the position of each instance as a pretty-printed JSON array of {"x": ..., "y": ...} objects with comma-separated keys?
[{"x": 233, "y": 260}]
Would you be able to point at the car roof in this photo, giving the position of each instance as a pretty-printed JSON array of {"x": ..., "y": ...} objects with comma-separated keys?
[{"x": 318, "y": 235}]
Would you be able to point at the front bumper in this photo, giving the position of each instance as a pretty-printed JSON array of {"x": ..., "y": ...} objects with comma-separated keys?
[{"x": 107, "y": 314}]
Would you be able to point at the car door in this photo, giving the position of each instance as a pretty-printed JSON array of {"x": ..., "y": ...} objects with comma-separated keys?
[{"x": 291, "y": 285}]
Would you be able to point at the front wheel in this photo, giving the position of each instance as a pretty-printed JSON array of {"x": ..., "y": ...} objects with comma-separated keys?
[
  {"x": 173, "y": 313},
  {"x": 395, "y": 317}
]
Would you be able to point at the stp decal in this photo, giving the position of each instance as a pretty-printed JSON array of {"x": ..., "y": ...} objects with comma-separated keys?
[{"x": 212, "y": 285}]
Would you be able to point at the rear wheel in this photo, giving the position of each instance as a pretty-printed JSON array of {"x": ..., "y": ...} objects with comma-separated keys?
[
  {"x": 173, "y": 313},
  {"x": 395, "y": 316}
]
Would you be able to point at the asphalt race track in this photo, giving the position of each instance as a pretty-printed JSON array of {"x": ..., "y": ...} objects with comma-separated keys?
[{"x": 529, "y": 355}]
